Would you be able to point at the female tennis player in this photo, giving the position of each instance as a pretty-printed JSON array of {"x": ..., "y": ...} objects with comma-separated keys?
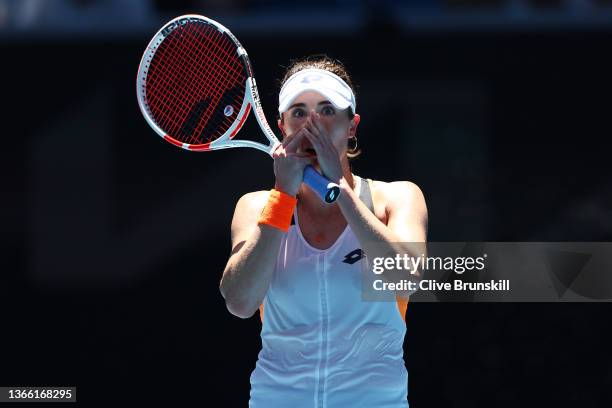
[{"x": 322, "y": 344}]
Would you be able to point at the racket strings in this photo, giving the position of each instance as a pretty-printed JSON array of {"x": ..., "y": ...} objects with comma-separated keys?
[
  {"x": 182, "y": 70},
  {"x": 193, "y": 77},
  {"x": 185, "y": 62}
]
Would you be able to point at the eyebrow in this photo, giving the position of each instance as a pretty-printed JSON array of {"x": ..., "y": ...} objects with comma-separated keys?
[{"x": 301, "y": 104}]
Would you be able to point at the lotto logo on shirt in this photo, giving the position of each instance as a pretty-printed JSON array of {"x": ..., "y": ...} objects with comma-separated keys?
[{"x": 353, "y": 256}]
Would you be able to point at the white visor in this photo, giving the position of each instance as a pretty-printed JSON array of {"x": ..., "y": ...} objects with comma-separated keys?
[{"x": 324, "y": 82}]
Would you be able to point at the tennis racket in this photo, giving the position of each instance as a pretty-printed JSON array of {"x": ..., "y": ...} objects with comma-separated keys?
[{"x": 196, "y": 88}]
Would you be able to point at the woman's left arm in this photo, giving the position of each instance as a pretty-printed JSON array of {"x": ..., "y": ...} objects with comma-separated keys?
[{"x": 406, "y": 229}]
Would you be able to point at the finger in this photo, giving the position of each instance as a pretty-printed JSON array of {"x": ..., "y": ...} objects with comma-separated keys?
[
  {"x": 316, "y": 121},
  {"x": 305, "y": 161},
  {"x": 287, "y": 139},
  {"x": 316, "y": 143},
  {"x": 299, "y": 155},
  {"x": 279, "y": 152},
  {"x": 295, "y": 141},
  {"x": 318, "y": 130},
  {"x": 321, "y": 137},
  {"x": 325, "y": 139},
  {"x": 310, "y": 125}
]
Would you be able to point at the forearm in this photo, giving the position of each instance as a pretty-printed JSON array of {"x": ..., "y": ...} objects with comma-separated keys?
[
  {"x": 248, "y": 273},
  {"x": 376, "y": 238}
]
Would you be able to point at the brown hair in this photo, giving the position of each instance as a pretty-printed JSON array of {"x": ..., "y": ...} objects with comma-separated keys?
[{"x": 322, "y": 61}]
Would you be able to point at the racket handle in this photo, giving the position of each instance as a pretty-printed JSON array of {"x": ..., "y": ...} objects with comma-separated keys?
[{"x": 327, "y": 190}]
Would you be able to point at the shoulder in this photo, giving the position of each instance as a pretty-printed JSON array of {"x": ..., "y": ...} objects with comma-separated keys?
[
  {"x": 253, "y": 201},
  {"x": 397, "y": 193},
  {"x": 404, "y": 208},
  {"x": 247, "y": 211}
]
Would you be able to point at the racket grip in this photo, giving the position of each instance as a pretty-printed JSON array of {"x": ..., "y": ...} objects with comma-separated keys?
[{"x": 327, "y": 190}]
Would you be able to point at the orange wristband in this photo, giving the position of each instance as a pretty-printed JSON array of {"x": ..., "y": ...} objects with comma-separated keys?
[{"x": 278, "y": 210}]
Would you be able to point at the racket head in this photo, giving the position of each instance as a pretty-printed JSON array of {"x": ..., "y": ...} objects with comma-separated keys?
[{"x": 192, "y": 83}]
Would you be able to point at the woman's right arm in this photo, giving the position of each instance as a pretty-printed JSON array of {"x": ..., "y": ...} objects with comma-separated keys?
[
  {"x": 250, "y": 267},
  {"x": 255, "y": 246}
]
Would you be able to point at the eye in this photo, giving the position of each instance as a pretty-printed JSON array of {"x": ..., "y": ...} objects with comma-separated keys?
[
  {"x": 298, "y": 113},
  {"x": 328, "y": 110}
]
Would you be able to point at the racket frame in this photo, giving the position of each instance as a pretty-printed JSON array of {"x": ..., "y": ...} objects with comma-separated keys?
[{"x": 250, "y": 102}]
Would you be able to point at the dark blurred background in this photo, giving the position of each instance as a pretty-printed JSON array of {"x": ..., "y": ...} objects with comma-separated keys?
[{"x": 114, "y": 242}]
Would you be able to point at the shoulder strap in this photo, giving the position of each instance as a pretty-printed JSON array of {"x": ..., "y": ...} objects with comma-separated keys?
[{"x": 365, "y": 193}]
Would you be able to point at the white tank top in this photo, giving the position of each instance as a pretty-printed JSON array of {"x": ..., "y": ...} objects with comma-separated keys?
[{"x": 322, "y": 345}]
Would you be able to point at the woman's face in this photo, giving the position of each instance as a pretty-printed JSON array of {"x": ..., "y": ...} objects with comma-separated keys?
[{"x": 336, "y": 123}]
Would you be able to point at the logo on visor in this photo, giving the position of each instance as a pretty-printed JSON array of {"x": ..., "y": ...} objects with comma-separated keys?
[{"x": 311, "y": 78}]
